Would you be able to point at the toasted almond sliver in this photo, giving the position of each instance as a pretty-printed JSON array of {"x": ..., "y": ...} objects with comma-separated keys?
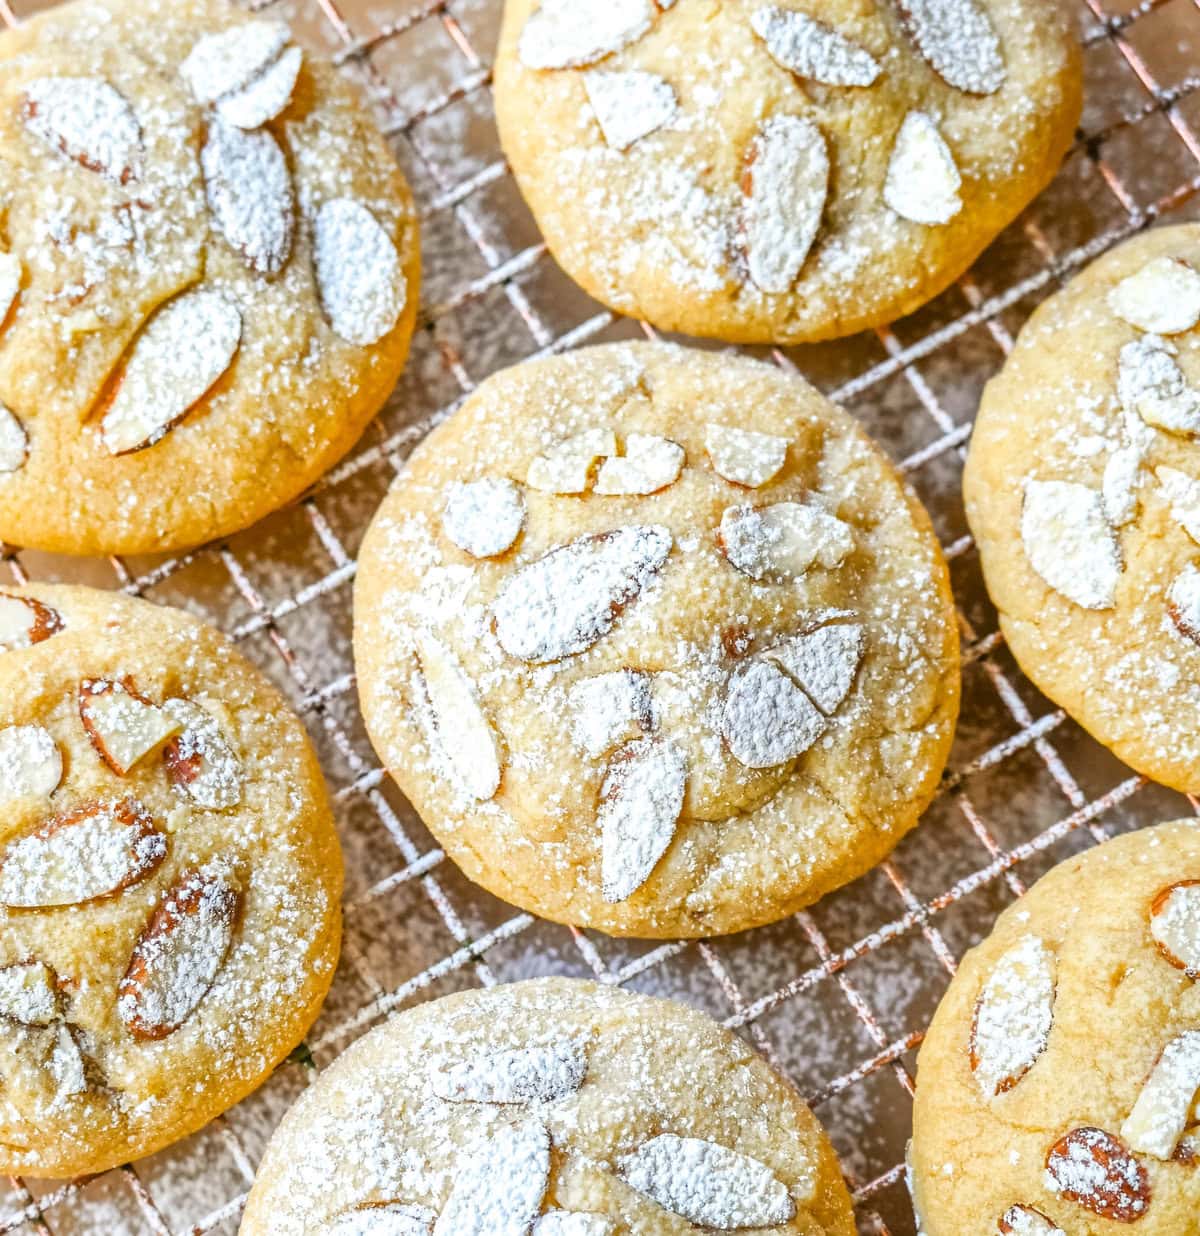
[
  {"x": 782, "y": 541},
  {"x": 1175, "y": 923},
  {"x": 1183, "y": 602},
  {"x": 650, "y": 463},
  {"x": 14, "y": 444},
  {"x": 823, "y": 662},
  {"x": 566, "y": 468},
  {"x": 923, "y": 181},
  {"x": 362, "y": 283},
  {"x": 1013, "y": 1017},
  {"x": 629, "y": 105},
  {"x": 767, "y": 719},
  {"x": 483, "y": 518},
  {"x": 31, "y": 764},
  {"x": 1163, "y": 297},
  {"x": 25, "y": 621},
  {"x": 1151, "y": 385},
  {"x": 261, "y": 100},
  {"x": 1092, "y": 1168},
  {"x": 199, "y": 759},
  {"x": 1164, "y": 1107},
  {"x": 231, "y": 59},
  {"x": 542, "y": 1073},
  {"x": 123, "y": 726},
  {"x": 958, "y": 40},
  {"x": 1183, "y": 493},
  {"x": 501, "y": 1186},
  {"x": 811, "y": 49},
  {"x": 744, "y": 457},
  {"x": 11, "y": 272},
  {"x": 88, "y": 121},
  {"x": 569, "y": 34},
  {"x": 1122, "y": 474},
  {"x": 1069, "y": 543}
]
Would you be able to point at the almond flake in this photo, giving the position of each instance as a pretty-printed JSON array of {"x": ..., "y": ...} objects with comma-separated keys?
[
  {"x": 1175, "y": 925},
  {"x": 29, "y": 994},
  {"x": 640, "y": 803},
  {"x": 184, "y": 349},
  {"x": 567, "y": 467},
  {"x": 1163, "y": 297},
  {"x": 573, "y": 1223},
  {"x": 199, "y": 760},
  {"x": 178, "y": 955},
  {"x": 1068, "y": 542},
  {"x": 31, "y": 764},
  {"x": 767, "y": 719},
  {"x": 389, "y": 1219},
  {"x": 1183, "y": 493},
  {"x": 467, "y": 737},
  {"x": 1025, "y": 1221},
  {"x": 629, "y": 106},
  {"x": 10, "y": 283},
  {"x": 780, "y": 542},
  {"x": 90, "y": 852},
  {"x": 1013, "y": 1017},
  {"x": 123, "y": 726},
  {"x": 609, "y": 709},
  {"x": 1163, "y": 1110},
  {"x": 568, "y": 34},
  {"x": 923, "y": 180},
  {"x": 539, "y": 1074},
  {"x": 362, "y": 284},
  {"x": 707, "y": 1184},
  {"x": 785, "y": 186},
  {"x": 812, "y": 49},
  {"x": 959, "y": 41},
  {"x": 88, "y": 121},
  {"x": 823, "y": 662},
  {"x": 25, "y": 621},
  {"x": 14, "y": 444},
  {"x": 231, "y": 59},
  {"x": 483, "y": 517},
  {"x": 650, "y": 463},
  {"x": 1183, "y": 603},
  {"x": 499, "y": 1190},
  {"x": 249, "y": 192},
  {"x": 744, "y": 457},
  {"x": 261, "y": 100},
  {"x": 1094, "y": 1169},
  {"x": 567, "y": 600},
  {"x": 1151, "y": 384},
  {"x": 1118, "y": 490},
  {"x": 65, "y": 1063}
]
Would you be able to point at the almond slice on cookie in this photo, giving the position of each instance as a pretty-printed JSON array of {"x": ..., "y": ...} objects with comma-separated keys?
[
  {"x": 11, "y": 272},
  {"x": 381, "y": 1219},
  {"x": 568, "y": 467},
  {"x": 767, "y": 719},
  {"x": 629, "y": 105},
  {"x": 779, "y": 543},
  {"x": 1025, "y": 1221},
  {"x": 811, "y": 49},
  {"x": 570, "y": 34},
  {"x": 541, "y": 1073},
  {"x": 1183, "y": 494},
  {"x": 500, "y": 1187},
  {"x": 743, "y": 456},
  {"x": 29, "y": 994},
  {"x": 123, "y": 726},
  {"x": 1163, "y": 297},
  {"x": 650, "y": 463},
  {"x": 824, "y": 662},
  {"x": 958, "y": 41},
  {"x": 88, "y": 121},
  {"x": 610, "y": 708},
  {"x": 1095, "y": 1170},
  {"x": 483, "y": 518},
  {"x": 1068, "y": 541},
  {"x": 1183, "y": 603},
  {"x": 266, "y": 96},
  {"x": 199, "y": 760},
  {"x": 229, "y": 60},
  {"x": 1175, "y": 925},
  {"x": 1013, "y": 1017},
  {"x": 25, "y": 621},
  {"x": 1151, "y": 385},
  {"x": 1165, "y": 1106},
  {"x": 31, "y": 764},
  {"x": 14, "y": 442},
  {"x": 362, "y": 284},
  {"x": 923, "y": 180}
]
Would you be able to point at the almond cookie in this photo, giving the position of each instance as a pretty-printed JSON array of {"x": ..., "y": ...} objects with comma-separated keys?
[
  {"x": 553, "y": 1107},
  {"x": 1083, "y": 491},
  {"x": 169, "y": 879},
  {"x": 208, "y": 273},
  {"x": 1058, "y": 1085},
  {"x": 780, "y": 172},
  {"x": 656, "y": 641}
]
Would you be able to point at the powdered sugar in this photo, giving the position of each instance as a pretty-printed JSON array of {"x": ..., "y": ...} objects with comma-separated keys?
[
  {"x": 498, "y": 1191},
  {"x": 565, "y": 34},
  {"x": 31, "y": 764},
  {"x": 823, "y": 661},
  {"x": 263, "y": 98},
  {"x": 10, "y": 283},
  {"x": 88, "y": 121},
  {"x": 573, "y": 1223},
  {"x": 200, "y": 762},
  {"x": 1183, "y": 493},
  {"x": 812, "y": 49},
  {"x": 362, "y": 284},
  {"x": 1163, "y": 1109},
  {"x": 767, "y": 719},
  {"x": 629, "y": 105},
  {"x": 1122, "y": 473},
  {"x": 14, "y": 444},
  {"x": 1013, "y": 1016},
  {"x": 923, "y": 180},
  {"x": 231, "y": 59},
  {"x": 1069, "y": 543},
  {"x": 1163, "y": 297},
  {"x": 29, "y": 994},
  {"x": 1151, "y": 384},
  {"x": 744, "y": 457},
  {"x": 782, "y": 541},
  {"x": 958, "y": 40},
  {"x": 541, "y": 1073},
  {"x": 1175, "y": 915},
  {"x": 483, "y": 517},
  {"x": 392, "y": 1219},
  {"x": 610, "y": 708},
  {"x": 1094, "y": 1169}
]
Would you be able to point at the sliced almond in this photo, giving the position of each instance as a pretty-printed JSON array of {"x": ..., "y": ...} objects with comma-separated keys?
[
  {"x": 923, "y": 181},
  {"x": 1093, "y": 1169},
  {"x": 650, "y": 463},
  {"x": 1025, "y": 1221},
  {"x": 231, "y": 59},
  {"x": 199, "y": 759},
  {"x": 88, "y": 121},
  {"x": 630, "y": 105},
  {"x": 785, "y": 185},
  {"x": 781, "y": 542},
  {"x": 1118, "y": 490},
  {"x": 483, "y": 517},
  {"x": 265, "y": 97},
  {"x": 958, "y": 40},
  {"x": 362, "y": 284},
  {"x": 1175, "y": 925},
  {"x": 124, "y": 727},
  {"x": 568, "y": 34},
  {"x": 538, "y": 1074},
  {"x": 249, "y": 192},
  {"x": 1151, "y": 384},
  {"x": 568, "y": 467},
  {"x": 824, "y": 662},
  {"x": 1163, "y": 297},
  {"x": 14, "y": 443},
  {"x": 65, "y": 1063},
  {"x": 1069, "y": 543},
  {"x": 90, "y": 852},
  {"x": 10, "y": 283},
  {"x": 1183, "y": 603},
  {"x": 573, "y": 1223},
  {"x": 1183, "y": 493},
  {"x": 29, "y": 994},
  {"x": 708, "y": 1184},
  {"x": 1164, "y": 1109},
  {"x": 176, "y": 360},
  {"x": 811, "y": 49},
  {"x": 1013, "y": 1017},
  {"x": 744, "y": 457},
  {"x": 640, "y": 802},
  {"x": 31, "y": 764},
  {"x": 386, "y": 1219},
  {"x": 25, "y": 621},
  {"x": 180, "y": 952},
  {"x": 611, "y": 708},
  {"x": 566, "y": 601},
  {"x": 499, "y": 1190},
  {"x": 767, "y": 719}
]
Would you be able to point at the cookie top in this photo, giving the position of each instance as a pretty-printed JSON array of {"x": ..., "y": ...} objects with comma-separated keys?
[
  {"x": 656, "y": 641},
  {"x": 1058, "y": 1083},
  {"x": 1083, "y": 492},
  {"x": 208, "y": 273},
  {"x": 554, "y": 1107},
  {"x": 780, "y": 172},
  {"x": 169, "y": 879}
]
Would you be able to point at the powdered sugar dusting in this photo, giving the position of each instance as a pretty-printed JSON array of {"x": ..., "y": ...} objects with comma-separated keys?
[
  {"x": 1069, "y": 543},
  {"x": 230, "y": 59},
  {"x": 577, "y": 1223},
  {"x": 923, "y": 180},
  {"x": 14, "y": 444},
  {"x": 1013, "y": 1017},
  {"x": 262, "y": 99},
  {"x": 1025, "y": 1221},
  {"x": 1183, "y": 493},
  {"x": 959, "y": 41},
  {"x": 629, "y": 105},
  {"x": 30, "y": 762},
  {"x": 812, "y": 49},
  {"x": 767, "y": 719},
  {"x": 483, "y": 517},
  {"x": 1094, "y": 1169},
  {"x": 610, "y": 708},
  {"x": 88, "y": 121},
  {"x": 392, "y": 1219},
  {"x": 565, "y": 34},
  {"x": 362, "y": 284},
  {"x": 1175, "y": 918},
  {"x": 1163, "y": 297},
  {"x": 1122, "y": 473},
  {"x": 823, "y": 661},
  {"x": 535, "y": 1074},
  {"x": 10, "y": 283},
  {"x": 29, "y": 994},
  {"x": 1163, "y": 1109},
  {"x": 1151, "y": 384}
]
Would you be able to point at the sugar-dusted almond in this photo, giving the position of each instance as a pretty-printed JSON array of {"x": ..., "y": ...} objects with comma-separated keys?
[
  {"x": 566, "y": 601},
  {"x": 744, "y": 457},
  {"x": 1183, "y": 494},
  {"x": 824, "y": 662},
  {"x": 88, "y": 121},
  {"x": 1183, "y": 603},
  {"x": 180, "y": 952},
  {"x": 384, "y": 1219},
  {"x": 812, "y": 49},
  {"x": 629, "y": 105},
  {"x": 1151, "y": 384},
  {"x": 1025, "y": 1221},
  {"x": 249, "y": 192},
  {"x": 1118, "y": 489},
  {"x": 29, "y": 994},
  {"x": 1175, "y": 923},
  {"x": 11, "y": 271},
  {"x": 89, "y": 852},
  {"x": 610, "y": 708},
  {"x": 785, "y": 185},
  {"x": 1165, "y": 1105},
  {"x": 1069, "y": 543},
  {"x": 231, "y": 59},
  {"x": 483, "y": 518},
  {"x": 362, "y": 284},
  {"x": 538, "y": 1074},
  {"x": 569, "y": 466},
  {"x": 199, "y": 760},
  {"x": 1013, "y": 1017},
  {"x": 569, "y": 34},
  {"x": 640, "y": 802},
  {"x": 958, "y": 40},
  {"x": 767, "y": 719},
  {"x": 498, "y": 1191},
  {"x": 25, "y": 621},
  {"x": 1096, "y": 1171},
  {"x": 14, "y": 442},
  {"x": 264, "y": 97},
  {"x": 573, "y": 1223},
  {"x": 64, "y": 1062},
  {"x": 923, "y": 180},
  {"x": 123, "y": 726},
  {"x": 781, "y": 542},
  {"x": 31, "y": 764},
  {"x": 1163, "y": 297},
  {"x": 707, "y": 1184},
  {"x": 650, "y": 463},
  {"x": 185, "y": 348}
]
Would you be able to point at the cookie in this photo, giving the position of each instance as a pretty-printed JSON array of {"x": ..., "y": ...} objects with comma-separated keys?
[
  {"x": 780, "y": 172},
  {"x": 1083, "y": 492},
  {"x": 169, "y": 879},
  {"x": 1057, "y": 1085},
  {"x": 208, "y": 273},
  {"x": 552, "y": 1107},
  {"x": 656, "y": 641}
]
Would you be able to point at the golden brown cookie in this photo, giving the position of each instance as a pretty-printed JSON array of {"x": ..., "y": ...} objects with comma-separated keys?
[
  {"x": 169, "y": 879},
  {"x": 656, "y": 641},
  {"x": 208, "y": 273}
]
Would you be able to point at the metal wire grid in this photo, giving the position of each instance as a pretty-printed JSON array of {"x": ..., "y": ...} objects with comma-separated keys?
[{"x": 838, "y": 996}]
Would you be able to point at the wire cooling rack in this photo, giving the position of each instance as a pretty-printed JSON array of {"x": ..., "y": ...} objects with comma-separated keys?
[{"x": 836, "y": 997}]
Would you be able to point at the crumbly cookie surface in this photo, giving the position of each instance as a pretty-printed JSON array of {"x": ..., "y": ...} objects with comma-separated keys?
[
  {"x": 1083, "y": 492},
  {"x": 169, "y": 879},
  {"x": 208, "y": 273},
  {"x": 785, "y": 172},
  {"x": 1057, "y": 1086},
  {"x": 552, "y": 1107},
  {"x": 656, "y": 641}
]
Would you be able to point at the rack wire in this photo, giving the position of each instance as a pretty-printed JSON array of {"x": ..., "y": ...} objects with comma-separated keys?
[{"x": 836, "y": 997}]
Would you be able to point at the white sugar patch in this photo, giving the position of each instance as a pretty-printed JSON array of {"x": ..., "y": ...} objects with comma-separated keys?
[
  {"x": 812, "y": 49},
  {"x": 1069, "y": 543},
  {"x": 958, "y": 40},
  {"x": 923, "y": 180},
  {"x": 362, "y": 284},
  {"x": 629, "y": 105}
]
